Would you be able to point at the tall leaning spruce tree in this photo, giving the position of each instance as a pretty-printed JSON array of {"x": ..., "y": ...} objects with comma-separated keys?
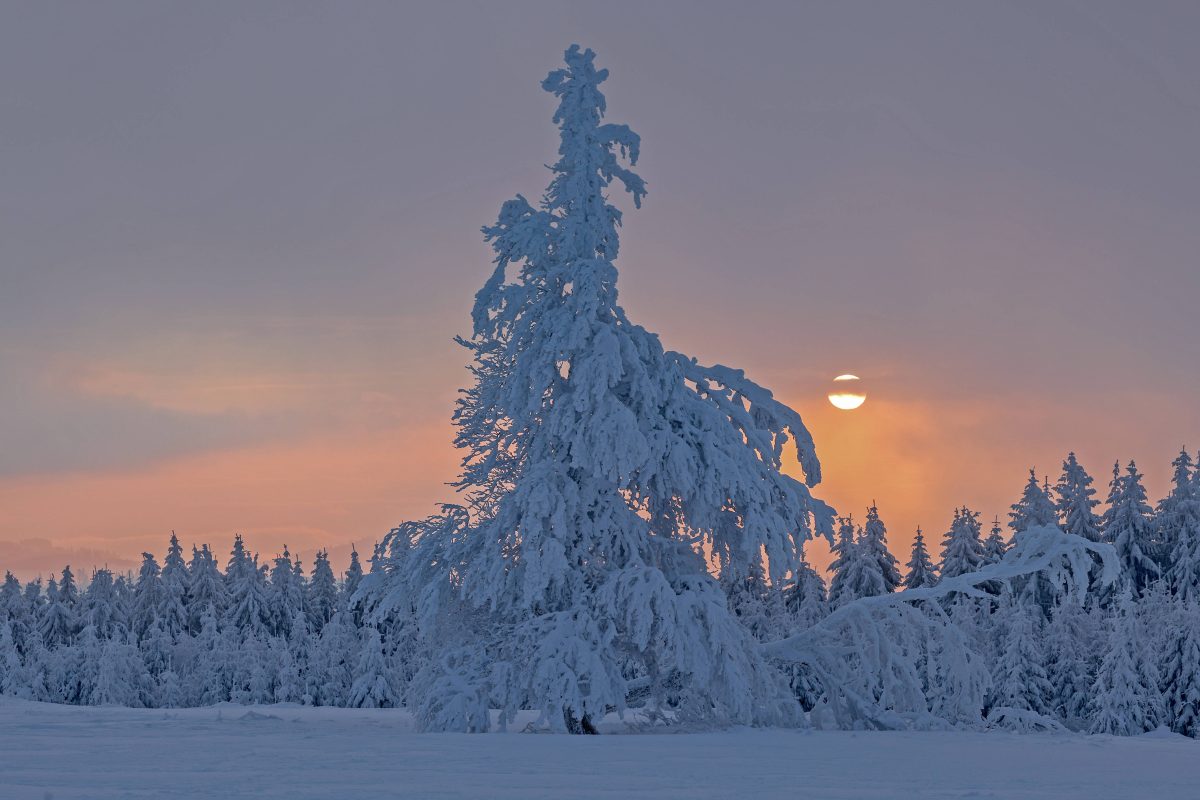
[{"x": 600, "y": 473}]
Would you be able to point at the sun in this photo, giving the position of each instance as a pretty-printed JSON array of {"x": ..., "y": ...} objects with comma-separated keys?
[{"x": 847, "y": 393}]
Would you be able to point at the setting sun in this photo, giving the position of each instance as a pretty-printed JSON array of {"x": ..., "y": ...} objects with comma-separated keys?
[{"x": 847, "y": 392}]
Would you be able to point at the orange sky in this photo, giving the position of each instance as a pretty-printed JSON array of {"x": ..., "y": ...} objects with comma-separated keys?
[{"x": 916, "y": 457}]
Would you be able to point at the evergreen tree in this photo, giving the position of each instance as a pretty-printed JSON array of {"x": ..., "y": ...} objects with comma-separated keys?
[
  {"x": 333, "y": 662},
  {"x": 286, "y": 593},
  {"x": 100, "y": 605},
  {"x": 1127, "y": 526},
  {"x": 120, "y": 678},
  {"x": 1124, "y": 700},
  {"x": 249, "y": 610},
  {"x": 14, "y": 680},
  {"x": 1034, "y": 509},
  {"x": 994, "y": 546},
  {"x": 33, "y": 595},
  {"x": 867, "y": 579},
  {"x": 173, "y": 612},
  {"x": 10, "y": 595},
  {"x": 597, "y": 467},
  {"x": 209, "y": 679},
  {"x": 1071, "y": 646},
  {"x": 875, "y": 547},
  {"x": 74, "y": 667},
  {"x": 750, "y": 600},
  {"x": 373, "y": 686},
  {"x": 207, "y": 592},
  {"x": 841, "y": 585},
  {"x": 1075, "y": 501},
  {"x": 157, "y": 652},
  {"x": 1181, "y": 679},
  {"x": 351, "y": 580},
  {"x": 149, "y": 597},
  {"x": 57, "y": 623},
  {"x": 68, "y": 591},
  {"x": 920, "y": 568},
  {"x": 804, "y": 598},
  {"x": 962, "y": 551},
  {"x": 1021, "y": 678},
  {"x": 123, "y": 598},
  {"x": 322, "y": 593},
  {"x": 1177, "y": 528}
]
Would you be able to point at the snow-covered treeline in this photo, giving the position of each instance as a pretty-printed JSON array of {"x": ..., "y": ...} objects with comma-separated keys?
[
  {"x": 187, "y": 634},
  {"x": 629, "y": 539},
  {"x": 989, "y": 630}
]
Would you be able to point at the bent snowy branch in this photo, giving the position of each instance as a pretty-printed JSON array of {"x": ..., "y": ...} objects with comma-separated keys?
[{"x": 900, "y": 661}]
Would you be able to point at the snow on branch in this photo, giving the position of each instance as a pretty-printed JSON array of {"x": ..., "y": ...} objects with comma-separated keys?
[
  {"x": 764, "y": 421},
  {"x": 902, "y": 660}
]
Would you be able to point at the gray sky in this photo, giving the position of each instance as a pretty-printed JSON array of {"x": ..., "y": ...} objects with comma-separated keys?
[{"x": 237, "y": 238}]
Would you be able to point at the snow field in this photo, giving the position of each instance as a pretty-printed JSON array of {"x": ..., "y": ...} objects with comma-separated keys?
[{"x": 52, "y": 752}]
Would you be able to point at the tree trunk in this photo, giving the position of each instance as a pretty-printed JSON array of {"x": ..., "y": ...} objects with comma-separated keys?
[{"x": 579, "y": 726}]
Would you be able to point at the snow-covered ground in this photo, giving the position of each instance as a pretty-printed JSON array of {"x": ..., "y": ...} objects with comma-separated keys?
[{"x": 60, "y": 752}]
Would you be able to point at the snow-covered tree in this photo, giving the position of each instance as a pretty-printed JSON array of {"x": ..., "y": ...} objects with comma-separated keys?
[
  {"x": 333, "y": 661},
  {"x": 249, "y": 610},
  {"x": 150, "y": 597},
  {"x": 173, "y": 615},
  {"x": 120, "y": 678},
  {"x": 856, "y": 568},
  {"x": 1177, "y": 529},
  {"x": 10, "y": 595},
  {"x": 206, "y": 588},
  {"x": 14, "y": 679},
  {"x": 209, "y": 679},
  {"x": 322, "y": 601},
  {"x": 962, "y": 551},
  {"x": 99, "y": 605},
  {"x": 1034, "y": 509},
  {"x": 804, "y": 598},
  {"x": 57, "y": 623},
  {"x": 756, "y": 604},
  {"x": 874, "y": 545},
  {"x": 598, "y": 467},
  {"x": 1076, "y": 501},
  {"x": 866, "y": 578},
  {"x": 33, "y": 595},
  {"x": 844, "y": 556},
  {"x": 805, "y": 603},
  {"x": 353, "y": 576},
  {"x": 994, "y": 546},
  {"x": 1071, "y": 645},
  {"x": 1020, "y": 674},
  {"x": 285, "y": 593},
  {"x": 161, "y": 652},
  {"x": 1181, "y": 678},
  {"x": 68, "y": 590},
  {"x": 373, "y": 677},
  {"x": 1125, "y": 699},
  {"x": 921, "y": 571},
  {"x": 1127, "y": 526}
]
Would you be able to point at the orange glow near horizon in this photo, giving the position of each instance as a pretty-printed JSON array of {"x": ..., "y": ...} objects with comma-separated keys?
[{"x": 917, "y": 458}]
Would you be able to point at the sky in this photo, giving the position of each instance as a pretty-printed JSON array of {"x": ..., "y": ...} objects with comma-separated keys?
[{"x": 236, "y": 241}]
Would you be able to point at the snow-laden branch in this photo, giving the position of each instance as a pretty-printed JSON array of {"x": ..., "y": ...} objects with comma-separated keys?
[{"x": 903, "y": 660}]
